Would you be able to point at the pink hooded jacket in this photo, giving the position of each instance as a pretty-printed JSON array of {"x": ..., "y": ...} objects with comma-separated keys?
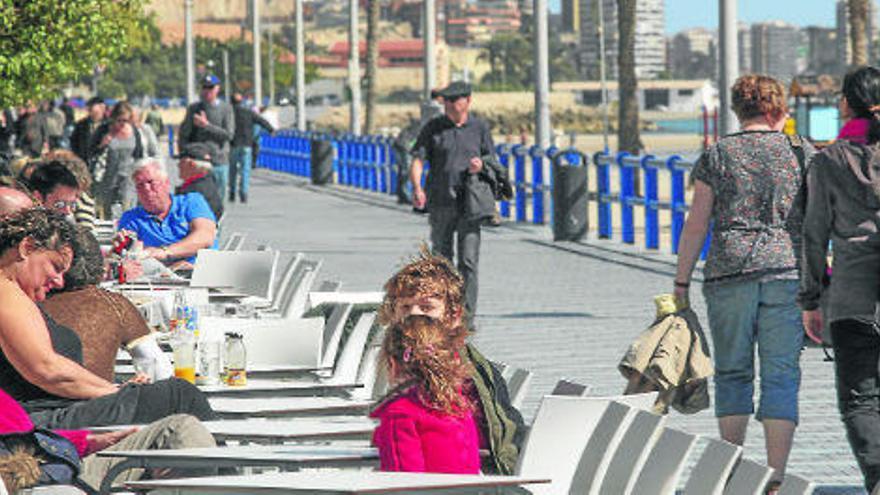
[
  {"x": 14, "y": 419},
  {"x": 413, "y": 437}
]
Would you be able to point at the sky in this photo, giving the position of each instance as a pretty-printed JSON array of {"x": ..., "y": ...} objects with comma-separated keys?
[{"x": 682, "y": 14}]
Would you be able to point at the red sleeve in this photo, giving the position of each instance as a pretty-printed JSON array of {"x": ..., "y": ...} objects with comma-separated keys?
[
  {"x": 400, "y": 448},
  {"x": 77, "y": 438}
]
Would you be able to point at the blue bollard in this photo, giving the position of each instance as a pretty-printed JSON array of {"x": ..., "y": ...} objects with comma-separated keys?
[
  {"x": 537, "y": 155},
  {"x": 603, "y": 188},
  {"x": 519, "y": 171},
  {"x": 170, "y": 140},
  {"x": 678, "y": 205},
  {"x": 627, "y": 193},
  {"x": 652, "y": 214},
  {"x": 503, "y": 152}
]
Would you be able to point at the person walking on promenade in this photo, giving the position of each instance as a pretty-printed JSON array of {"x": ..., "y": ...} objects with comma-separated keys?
[
  {"x": 81, "y": 139},
  {"x": 246, "y": 122},
  {"x": 748, "y": 184},
  {"x": 453, "y": 144},
  {"x": 210, "y": 120},
  {"x": 843, "y": 204}
]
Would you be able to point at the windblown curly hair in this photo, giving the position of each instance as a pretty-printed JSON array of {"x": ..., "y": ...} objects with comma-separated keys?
[
  {"x": 753, "y": 95},
  {"x": 425, "y": 353},
  {"x": 49, "y": 230},
  {"x": 425, "y": 275},
  {"x": 87, "y": 267}
]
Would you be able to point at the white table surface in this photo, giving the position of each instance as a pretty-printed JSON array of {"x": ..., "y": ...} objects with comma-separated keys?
[
  {"x": 280, "y": 430},
  {"x": 336, "y": 482},
  {"x": 288, "y": 387},
  {"x": 288, "y": 406},
  {"x": 252, "y": 455}
]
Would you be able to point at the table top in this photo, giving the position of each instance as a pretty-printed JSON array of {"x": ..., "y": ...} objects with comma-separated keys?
[
  {"x": 292, "y": 406},
  {"x": 280, "y": 385},
  {"x": 254, "y": 453},
  {"x": 337, "y": 482}
]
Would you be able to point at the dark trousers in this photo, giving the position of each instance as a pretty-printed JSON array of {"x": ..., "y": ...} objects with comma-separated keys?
[
  {"x": 402, "y": 157},
  {"x": 445, "y": 223},
  {"x": 856, "y": 354},
  {"x": 132, "y": 404}
]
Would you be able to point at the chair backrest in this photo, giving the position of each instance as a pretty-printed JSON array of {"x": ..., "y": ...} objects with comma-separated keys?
[
  {"x": 795, "y": 485},
  {"x": 570, "y": 388},
  {"x": 353, "y": 350},
  {"x": 596, "y": 456},
  {"x": 562, "y": 430},
  {"x": 247, "y": 272},
  {"x": 748, "y": 478},
  {"x": 659, "y": 476},
  {"x": 333, "y": 333},
  {"x": 367, "y": 374},
  {"x": 518, "y": 386},
  {"x": 711, "y": 471},
  {"x": 632, "y": 452},
  {"x": 286, "y": 279},
  {"x": 295, "y": 305}
]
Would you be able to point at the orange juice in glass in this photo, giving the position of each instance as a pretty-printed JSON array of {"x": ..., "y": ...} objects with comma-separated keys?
[{"x": 185, "y": 361}]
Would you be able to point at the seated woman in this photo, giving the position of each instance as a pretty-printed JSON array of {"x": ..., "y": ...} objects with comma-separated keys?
[
  {"x": 427, "y": 422},
  {"x": 104, "y": 321},
  {"x": 32, "y": 457},
  {"x": 40, "y": 361}
]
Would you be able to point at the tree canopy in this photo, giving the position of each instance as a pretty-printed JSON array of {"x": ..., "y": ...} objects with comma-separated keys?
[{"x": 44, "y": 43}]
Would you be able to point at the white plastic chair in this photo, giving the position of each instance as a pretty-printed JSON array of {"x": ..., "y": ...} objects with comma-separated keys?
[
  {"x": 333, "y": 333},
  {"x": 518, "y": 386},
  {"x": 712, "y": 470},
  {"x": 563, "y": 429},
  {"x": 234, "y": 243},
  {"x": 294, "y": 304},
  {"x": 795, "y": 485},
  {"x": 596, "y": 456},
  {"x": 632, "y": 452},
  {"x": 748, "y": 478},
  {"x": 286, "y": 279},
  {"x": 661, "y": 471}
]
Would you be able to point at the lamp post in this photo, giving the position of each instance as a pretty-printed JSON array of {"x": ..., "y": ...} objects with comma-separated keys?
[{"x": 189, "y": 48}]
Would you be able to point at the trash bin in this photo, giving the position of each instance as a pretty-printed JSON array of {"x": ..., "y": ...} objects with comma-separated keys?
[
  {"x": 322, "y": 162},
  {"x": 569, "y": 195}
]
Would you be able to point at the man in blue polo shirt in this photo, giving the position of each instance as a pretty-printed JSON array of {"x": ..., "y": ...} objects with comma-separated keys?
[{"x": 172, "y": 227}]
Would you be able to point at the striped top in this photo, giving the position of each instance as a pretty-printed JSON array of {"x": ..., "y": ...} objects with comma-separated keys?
[{"x": 84, "y": 214}]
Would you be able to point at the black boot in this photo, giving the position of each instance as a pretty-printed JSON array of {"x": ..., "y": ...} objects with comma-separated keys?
[
  {"x": 232, "y": 196},
  {"x": 243, "y": 198}
]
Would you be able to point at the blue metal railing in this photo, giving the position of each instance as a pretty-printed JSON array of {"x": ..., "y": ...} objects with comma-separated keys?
[{"x": 368, "y": 162}]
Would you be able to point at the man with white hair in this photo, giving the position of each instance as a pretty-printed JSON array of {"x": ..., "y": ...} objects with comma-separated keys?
[
  {"x": 194, "y": 169},
  {"x": 172, "y": 227}
]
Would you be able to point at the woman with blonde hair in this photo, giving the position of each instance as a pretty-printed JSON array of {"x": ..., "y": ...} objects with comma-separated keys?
[{"x": 748, "y": 185}]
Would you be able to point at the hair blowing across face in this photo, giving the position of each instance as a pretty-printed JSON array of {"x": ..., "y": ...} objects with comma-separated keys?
[
  {"x": 754, "y": 95},
  {"x": 424, "y": 352},
  {"x": 861, "y": 88},
  {"x": 48, "y": 230},
  {"x": 426, "y": 275}
]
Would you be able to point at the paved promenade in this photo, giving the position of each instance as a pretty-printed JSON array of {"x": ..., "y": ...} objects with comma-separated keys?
[{"x": 560, "y": 309}]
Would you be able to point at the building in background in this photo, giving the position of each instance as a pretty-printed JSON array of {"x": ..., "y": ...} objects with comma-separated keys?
[
  {"x": 475, "y": 22},
  {"x": 692, "y": 54},
  {"x": 650, "y": 47},
  {"x": 822, "y": 50},
  {"x": 744, "y": 44},
  {"x": 660, "y": 95},
  {"x": 777, "y": 50},
  {"x": 844, "y": 45},
  {"x": 571, "y": 16}
]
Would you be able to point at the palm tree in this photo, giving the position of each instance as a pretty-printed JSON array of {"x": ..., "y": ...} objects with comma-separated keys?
[
  {"x": 372, "y": 63},
  {"x": 628, "y": 138},
  {"x": 858, "y": 22}
]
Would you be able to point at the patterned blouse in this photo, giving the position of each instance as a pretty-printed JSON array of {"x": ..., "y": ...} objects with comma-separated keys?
[{"x": 756, "y": 230}]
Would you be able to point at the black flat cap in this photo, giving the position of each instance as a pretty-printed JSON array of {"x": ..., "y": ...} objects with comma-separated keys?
[
  {"x": 456, "y": 89},
  {"x": 95, "y": 100},
  {"x": 199, "y": 151}
]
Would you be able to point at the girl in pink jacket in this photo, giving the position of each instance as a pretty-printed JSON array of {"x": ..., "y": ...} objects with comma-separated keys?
[{"x": 427, "y": 423}]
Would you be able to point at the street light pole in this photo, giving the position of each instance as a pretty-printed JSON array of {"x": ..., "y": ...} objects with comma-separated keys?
[
  {"x": 300, "y": 69},
  {"x": 429, "y": 35},
  {"x": 602, "y": 77},
  {"x": 271, "y": 68},
  {"x": 226, "y": 86},
  {"x": 729, "y": 63},
  {"x": 354, "y": 71},
  {"x": 189, "y": 48},
  {"x": 258, "y": 58},
  {"x": 542, "y": 76}
]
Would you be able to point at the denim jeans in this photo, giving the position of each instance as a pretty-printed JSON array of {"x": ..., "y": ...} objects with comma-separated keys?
[
  {"x": 742, "y": 314},
  {"x": 242, "y": 158},
  {"x": 445, "y": 222},
  {"x": 221, "y": 175},
  {"x": 856, "y": 351}
]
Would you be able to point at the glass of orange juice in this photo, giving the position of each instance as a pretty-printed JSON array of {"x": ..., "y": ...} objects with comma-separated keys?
[{"x": 185, "y": 361}]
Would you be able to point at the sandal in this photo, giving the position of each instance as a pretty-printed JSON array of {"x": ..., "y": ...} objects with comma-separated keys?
[{"x": 772, "y": 487}]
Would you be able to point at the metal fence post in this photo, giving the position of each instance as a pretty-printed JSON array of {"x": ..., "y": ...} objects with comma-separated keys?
[
  {"x": 503, "y": 151},
  {"x": 537, "y": 155},
  {"x": 627, "y": 191},
  {"x": 678, "y": 206},
  {"x": 652, "y": 215},
  {"x": 519, "y": 151},
  {"x": 603, "y": 192}
]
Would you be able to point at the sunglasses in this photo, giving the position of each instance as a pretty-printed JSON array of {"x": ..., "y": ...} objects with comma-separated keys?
[{"x": 61, "y": 205}]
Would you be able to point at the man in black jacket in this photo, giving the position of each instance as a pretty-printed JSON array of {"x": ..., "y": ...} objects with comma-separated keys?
[
  {"x": 194, "y": 168},
  {"x": 242, "y": 145},
  {"x": 85, "y": 128}
]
